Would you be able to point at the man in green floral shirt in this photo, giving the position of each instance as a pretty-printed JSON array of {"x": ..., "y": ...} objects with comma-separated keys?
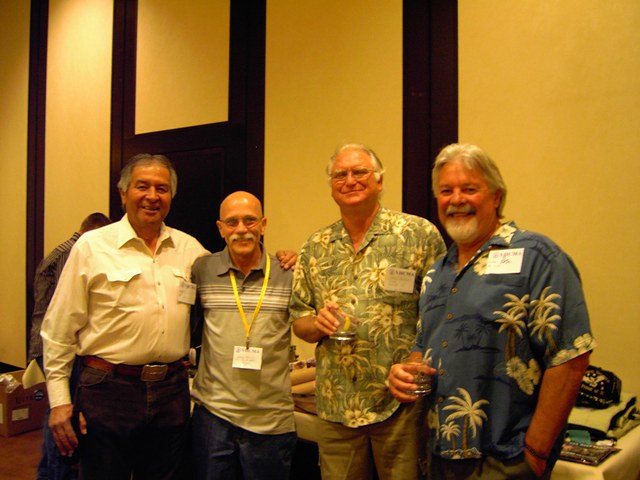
[{"x": 368, "y": 265}]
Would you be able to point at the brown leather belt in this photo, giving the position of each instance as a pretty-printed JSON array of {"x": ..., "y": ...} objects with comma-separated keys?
[{"x": 151, "y": 372}]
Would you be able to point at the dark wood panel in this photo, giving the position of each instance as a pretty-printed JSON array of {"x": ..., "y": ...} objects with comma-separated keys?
[
  {"x": 39, "y": 27},
  {"x": 430, "y": 96}
]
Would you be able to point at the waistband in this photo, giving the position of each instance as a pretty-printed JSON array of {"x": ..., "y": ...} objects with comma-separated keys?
[{"x": 151, "y": 372}]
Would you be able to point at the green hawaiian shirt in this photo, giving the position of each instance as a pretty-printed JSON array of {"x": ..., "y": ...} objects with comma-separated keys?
[{"x": 350, "y": 383}]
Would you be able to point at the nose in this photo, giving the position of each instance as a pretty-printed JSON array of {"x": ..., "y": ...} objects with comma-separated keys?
[
  {"x": 350, "y": 179},
  {"x": 457, "y": 197},
  {"x": 152, "y": 193},
  {"x": 241, "y": 227}
]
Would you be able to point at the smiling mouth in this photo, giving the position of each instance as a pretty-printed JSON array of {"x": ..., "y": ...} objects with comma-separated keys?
[{"x": 460, "y": 212}]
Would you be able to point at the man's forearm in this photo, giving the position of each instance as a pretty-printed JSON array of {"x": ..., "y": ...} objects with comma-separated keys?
[
  {"x": 305, "y": 328},
  {"x": 558, "y": 393}
]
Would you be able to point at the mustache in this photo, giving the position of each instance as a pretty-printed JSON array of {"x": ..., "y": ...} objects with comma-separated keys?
[
  {"x": 451, "y": 210},
  {"x": 241, "y": 236}
]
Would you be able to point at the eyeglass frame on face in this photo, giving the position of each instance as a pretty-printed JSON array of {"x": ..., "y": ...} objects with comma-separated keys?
[
  {"x": 358, "y": 173},
  {"x": 249, "y": 221}
]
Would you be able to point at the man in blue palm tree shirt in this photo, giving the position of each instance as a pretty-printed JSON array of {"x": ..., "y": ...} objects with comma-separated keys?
[{"x": 505, "y": 326}]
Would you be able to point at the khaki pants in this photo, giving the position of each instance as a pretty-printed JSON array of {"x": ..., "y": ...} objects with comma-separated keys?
[{"x": 346, "y": 453}]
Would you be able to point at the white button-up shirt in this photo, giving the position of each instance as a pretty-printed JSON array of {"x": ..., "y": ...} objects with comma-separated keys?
[{"x": 119, "y": 301}]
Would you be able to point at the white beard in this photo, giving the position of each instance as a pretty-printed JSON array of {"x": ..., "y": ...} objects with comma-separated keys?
[{"x": 462, "y": 231}]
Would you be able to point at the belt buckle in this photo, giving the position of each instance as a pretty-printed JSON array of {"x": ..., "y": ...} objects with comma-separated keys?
[{"x": 154, "y": 373}]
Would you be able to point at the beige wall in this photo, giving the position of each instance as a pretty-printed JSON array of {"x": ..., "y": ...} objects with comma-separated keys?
[
  {"x": 550, "y": 89},
  {"x": 333, "y": 75},
  {"x": 78, "y": 115}
]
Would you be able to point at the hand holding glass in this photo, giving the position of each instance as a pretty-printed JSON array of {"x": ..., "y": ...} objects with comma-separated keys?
[
  {"x": 421, "y": 377},
  {"x": 347, "y": 329}
]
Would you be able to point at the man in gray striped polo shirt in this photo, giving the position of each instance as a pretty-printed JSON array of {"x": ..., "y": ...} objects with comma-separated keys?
[{"x": 243, "y": 415}]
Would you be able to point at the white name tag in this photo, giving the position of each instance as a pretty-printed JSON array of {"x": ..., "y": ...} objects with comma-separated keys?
[
  {"x": 399, "y": 280},
  {"x": 505, "y": 261},
  {"x": 249, "y": 358},
  {"x": 187, "y": 292}
]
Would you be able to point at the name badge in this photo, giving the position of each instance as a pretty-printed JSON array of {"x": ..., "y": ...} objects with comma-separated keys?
[
  {"x": 505, "y": 261},
  {"x": 247, "y": 358},
  {"x": 399, "y": 280},
  {"x": 187, "y": 292}
]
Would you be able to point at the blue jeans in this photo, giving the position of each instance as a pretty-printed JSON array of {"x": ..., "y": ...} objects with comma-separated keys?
[
  {"x": 54, "y": 466},
  {"x": 222, "y": 450},
  {"x": 133, "y": 427}
]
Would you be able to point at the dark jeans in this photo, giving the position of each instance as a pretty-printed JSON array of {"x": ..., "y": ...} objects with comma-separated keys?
[
  {"x": 223, "y": 451},
  {"x": 133, "y": 427},
  {"x": 54, "y": 466}
]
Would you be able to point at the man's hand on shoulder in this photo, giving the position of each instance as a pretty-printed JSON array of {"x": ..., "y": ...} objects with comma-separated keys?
[{"x": 287, "y": 258}]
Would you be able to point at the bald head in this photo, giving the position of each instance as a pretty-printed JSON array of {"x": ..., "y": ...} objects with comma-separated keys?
[{"x": 239, "y": 199}]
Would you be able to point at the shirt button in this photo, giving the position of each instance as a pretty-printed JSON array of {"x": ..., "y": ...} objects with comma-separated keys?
[
  {"x": 445, "y": 344},
  {"x": 441, "y": 372},
  {"x": 449, "y": 316},
  {"x": 454, "y": 290}
]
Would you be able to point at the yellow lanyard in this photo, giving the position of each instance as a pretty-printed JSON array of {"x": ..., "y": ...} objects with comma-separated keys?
[{"x": 247, "y": 326}]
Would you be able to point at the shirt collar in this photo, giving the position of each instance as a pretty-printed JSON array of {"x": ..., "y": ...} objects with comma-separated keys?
[
  {"x": 500, "y": 239},
  {"x": 226, "y": 263},
  {"x": 340, "y": 232},
  {"x": 126, "y": 233}
]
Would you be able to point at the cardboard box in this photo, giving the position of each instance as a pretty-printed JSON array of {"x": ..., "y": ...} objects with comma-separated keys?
[{"x": 22, "y": 410}]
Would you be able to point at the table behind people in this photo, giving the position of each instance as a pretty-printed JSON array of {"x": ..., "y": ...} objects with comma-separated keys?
[
  {"x": 122, "y": 304},
  {"x": 370, "y": 265},
  {"x": 504, "y": 323}
]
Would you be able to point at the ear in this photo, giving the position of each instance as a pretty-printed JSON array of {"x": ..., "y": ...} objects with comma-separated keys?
[
  {"x": 497, "y": 198},
  {"x": 219, "y": 224},
  {"x": 263, "y": 226},
  {"x": 123, "y": 198}
]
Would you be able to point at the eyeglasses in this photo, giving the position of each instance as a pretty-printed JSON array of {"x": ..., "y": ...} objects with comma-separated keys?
[
  {"x": 248, "y": 221},
  {"x": 359, "y": 173}
]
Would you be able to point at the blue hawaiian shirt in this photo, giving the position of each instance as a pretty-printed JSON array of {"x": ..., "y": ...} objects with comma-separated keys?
[{"x": 491, "y": 330}]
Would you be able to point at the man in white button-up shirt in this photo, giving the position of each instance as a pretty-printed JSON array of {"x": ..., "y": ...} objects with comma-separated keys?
[{"x": 122, "y": 305}]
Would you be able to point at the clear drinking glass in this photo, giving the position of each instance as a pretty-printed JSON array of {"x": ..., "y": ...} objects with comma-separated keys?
[
  {"x": 421, "y": 376},
  {"x": 347, "y": 328}
]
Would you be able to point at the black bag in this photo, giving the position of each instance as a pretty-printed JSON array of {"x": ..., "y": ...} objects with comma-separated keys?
[{"x": 600, "y": 388}]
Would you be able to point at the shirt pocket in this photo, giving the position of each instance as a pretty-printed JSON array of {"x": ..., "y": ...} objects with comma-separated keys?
[
  {"x": 125, "y": 288},
  {"x": 181, "y": 274}
]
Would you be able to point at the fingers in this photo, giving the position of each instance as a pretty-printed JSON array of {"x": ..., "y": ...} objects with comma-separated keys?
[
  {"x": 63, "y": 433},
  {"x": 400, "y": 381},
  {"x": 287, "y": 258},
  {"x": 325, "y": 322}
]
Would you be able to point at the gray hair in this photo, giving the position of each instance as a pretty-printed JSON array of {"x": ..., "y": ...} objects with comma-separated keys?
[
  {"x": 147, "y": 159},
  {"x": 473, "y": 158},
  {"x": 378, "y": 169}
]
